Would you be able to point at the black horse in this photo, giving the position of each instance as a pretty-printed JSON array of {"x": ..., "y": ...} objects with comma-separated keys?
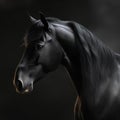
[{"x": 93, "y": 67}]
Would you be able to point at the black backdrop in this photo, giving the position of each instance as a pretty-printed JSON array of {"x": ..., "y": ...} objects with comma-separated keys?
[{"x": 53, "y": 97}]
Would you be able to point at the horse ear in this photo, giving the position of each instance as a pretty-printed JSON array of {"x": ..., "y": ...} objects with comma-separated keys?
[
  {"x": 44, "y": 21},
  {"x": 33, "y": 20}
]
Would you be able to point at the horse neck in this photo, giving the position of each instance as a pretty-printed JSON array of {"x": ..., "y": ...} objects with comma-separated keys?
[
  {"x": 66, "y": 38},
  {"x": 85, "y": 57}
]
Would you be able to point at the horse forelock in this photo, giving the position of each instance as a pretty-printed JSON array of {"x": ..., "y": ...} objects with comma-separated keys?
[{"x": 34, "y": 33}]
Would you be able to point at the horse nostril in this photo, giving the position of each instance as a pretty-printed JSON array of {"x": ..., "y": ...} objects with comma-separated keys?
[{"x": 19, "y": 85}]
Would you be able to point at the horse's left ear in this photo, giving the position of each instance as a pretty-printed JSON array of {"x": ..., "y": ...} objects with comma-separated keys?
[
  {"x": 33, "y": 20},
  {"x": 44, "y": 21}
]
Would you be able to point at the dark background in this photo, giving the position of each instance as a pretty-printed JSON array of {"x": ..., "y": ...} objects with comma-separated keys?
[{"x": 53, "y": 97}]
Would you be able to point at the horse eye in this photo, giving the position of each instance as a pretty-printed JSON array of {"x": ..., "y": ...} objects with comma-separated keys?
[{"x": 41, "y": 43}]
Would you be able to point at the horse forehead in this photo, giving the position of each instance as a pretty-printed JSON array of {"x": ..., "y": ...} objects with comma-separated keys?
[{"x": 34, "y": 36}]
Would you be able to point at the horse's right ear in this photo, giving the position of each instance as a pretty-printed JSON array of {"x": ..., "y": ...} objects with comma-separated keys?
[{"x": 44, "y": 21}]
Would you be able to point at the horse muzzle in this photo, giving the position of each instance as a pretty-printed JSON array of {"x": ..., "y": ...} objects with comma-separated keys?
[{"x": 23, "y": 88}]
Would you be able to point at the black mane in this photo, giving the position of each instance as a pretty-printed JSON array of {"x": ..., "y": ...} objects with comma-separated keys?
[{"x": 94, "y": 53}]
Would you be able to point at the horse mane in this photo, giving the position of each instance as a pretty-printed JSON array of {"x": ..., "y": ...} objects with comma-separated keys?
[
  {"x": 84, "y": 38},
  {"x": 95, "y": 58}
]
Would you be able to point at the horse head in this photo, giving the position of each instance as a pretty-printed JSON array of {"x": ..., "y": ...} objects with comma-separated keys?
[{"x": 42, "y": 55}]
